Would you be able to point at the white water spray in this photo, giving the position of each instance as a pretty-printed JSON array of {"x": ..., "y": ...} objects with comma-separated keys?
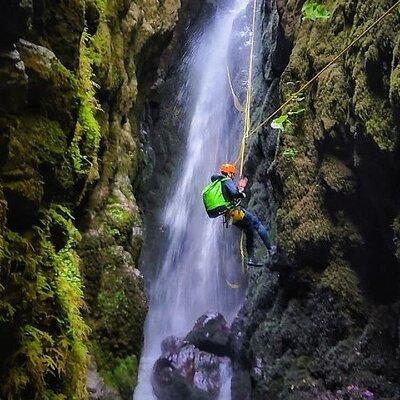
[{"x": 200, "y": 253}]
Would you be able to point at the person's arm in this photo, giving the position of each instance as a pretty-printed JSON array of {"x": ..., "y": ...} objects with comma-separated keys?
[
  {"x": 241, "y": 185},
  {"x": 231, "y": 191}
]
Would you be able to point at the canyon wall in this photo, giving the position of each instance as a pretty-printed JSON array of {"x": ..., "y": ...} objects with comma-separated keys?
[
  {"x": 326, "y": 326},
  {"x": 73, "y": 78}
]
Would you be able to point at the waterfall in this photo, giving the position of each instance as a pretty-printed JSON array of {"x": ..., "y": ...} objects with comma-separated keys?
[{"x": 201, "y": 254}]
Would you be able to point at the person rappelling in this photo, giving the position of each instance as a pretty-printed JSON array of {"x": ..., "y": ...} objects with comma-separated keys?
[{"x": 222, "y": 197}]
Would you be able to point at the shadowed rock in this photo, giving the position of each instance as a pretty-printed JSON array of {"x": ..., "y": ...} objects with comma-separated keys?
[
  {"x": 194, "y": 368},
  {"x": 188, "y": 374},
  {"x": 211, "y": 333}
]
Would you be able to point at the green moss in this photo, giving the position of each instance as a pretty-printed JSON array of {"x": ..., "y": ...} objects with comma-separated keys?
[
  {"x": 395, "y": 86},
  {"x": 29, "y": 187},
  {"x": 377, "y": 117},
  {"x": 101, "y": 4},
  {"x": 106, "y": 48},
  {"x": 115, "y": 303},
  {"x": 313, "y": 11},
  {"x": 298, "y": 376},
  {"x": 37, "y": 141},
  {"x": 111, "y": 302},
  {"x": 45, "y": 288},
  {"x": 119, "y": 220},
  {"x": 7, "y": 310},
  {"x": 343, "y": 281},
  {"x": 337, "y": 176},
  {"x": 100, "y": 49},
  {"x": 343, "y": 106},
  {"x": 119, "y": 216},
  {"x": 119, "y": 309}
]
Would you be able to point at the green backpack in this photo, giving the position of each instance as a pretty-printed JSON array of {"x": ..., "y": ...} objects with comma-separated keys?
[{"x": 214, "y": 200}]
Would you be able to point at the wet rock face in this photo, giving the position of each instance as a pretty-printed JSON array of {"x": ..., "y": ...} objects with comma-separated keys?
[
  {"x": 188, "y": 373},
  {"x": 189, "y": 369},
  {"x": 13, "y": 80},
  {"x": 324, "y": 324},
  {"x": 71, "y": 94}
]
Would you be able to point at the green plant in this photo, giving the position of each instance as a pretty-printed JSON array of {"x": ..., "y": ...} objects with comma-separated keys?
[
  {"x": 284, "y": 121},
  {"x": 290, "y": 153},
  {"x": 281, "y": 122},
  {"x": 101, "y": 5},
  {"x": 313, "y": 11},
  {"x": 45, "y": 288},
  {"x": 86, "y": 141},
  {"x": 122, "y": 377}
]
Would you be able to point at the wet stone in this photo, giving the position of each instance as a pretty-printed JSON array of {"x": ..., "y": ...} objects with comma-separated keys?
[
  {"x": 186, "y": 371},
  {"x": 211, "y": 333}
]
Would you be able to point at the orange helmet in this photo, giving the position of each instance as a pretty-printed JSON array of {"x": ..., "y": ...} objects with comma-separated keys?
[{"x": 228, "y": 169}]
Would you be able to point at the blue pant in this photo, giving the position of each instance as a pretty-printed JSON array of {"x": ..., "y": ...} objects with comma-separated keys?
[{"x": 249, "y": 224}]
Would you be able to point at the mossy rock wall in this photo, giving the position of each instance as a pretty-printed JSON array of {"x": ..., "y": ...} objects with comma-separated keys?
[
  {"x": 72, "y": 79},
  {"x": 327, "y": 325}
]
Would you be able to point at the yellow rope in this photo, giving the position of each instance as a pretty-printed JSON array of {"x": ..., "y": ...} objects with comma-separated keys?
[
  {"x": 249, "y": 94},
  {"x": 247, "y": 117},
  {"x": 305, "y": 86},
  {"x": 236, "y": 100}
]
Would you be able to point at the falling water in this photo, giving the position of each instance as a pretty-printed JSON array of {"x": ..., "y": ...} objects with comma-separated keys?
[{"x": 201, "y": 255}]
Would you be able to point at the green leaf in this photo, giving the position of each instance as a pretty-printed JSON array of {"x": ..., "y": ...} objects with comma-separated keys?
[
  {"x": 297, "y": 111},
  {"x": 290, "y": 153},
  {"x": 279, "y": 123},
  {"x": 314, "y": 11}
]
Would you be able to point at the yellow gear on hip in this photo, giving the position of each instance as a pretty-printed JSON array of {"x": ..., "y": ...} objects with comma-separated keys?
[{"x": 236, "y": 214}]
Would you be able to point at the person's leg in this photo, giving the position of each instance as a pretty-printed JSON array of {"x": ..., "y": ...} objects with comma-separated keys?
[
  {"x": 255, "y": 223},
  {"x": 249, "y": 241},
  {"x": 249, "y": 232}
]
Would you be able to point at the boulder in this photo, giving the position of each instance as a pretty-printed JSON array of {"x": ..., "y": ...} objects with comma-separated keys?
[
  {"x": 211, "y": 333},
  {"x": 187, "y": 373},
  {"x": 197, "y": 366}
]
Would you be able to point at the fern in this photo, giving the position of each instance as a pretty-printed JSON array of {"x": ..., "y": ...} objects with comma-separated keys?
[
  {"x": 86, "y": 140},
  {"x": 46, "y": 289}
]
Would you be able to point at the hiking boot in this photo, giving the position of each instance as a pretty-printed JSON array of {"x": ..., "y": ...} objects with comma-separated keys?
[
  {"x": 272, "y": 251},
  {"x": 251, "y": 262}
]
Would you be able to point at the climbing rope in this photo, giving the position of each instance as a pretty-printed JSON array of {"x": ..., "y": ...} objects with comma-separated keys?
[
  {"x": 247, "y": 117},
  {"x": 236, "y": 101},
  {"x": 246, "y": 126},
  {"x": 249, "y": 94}
]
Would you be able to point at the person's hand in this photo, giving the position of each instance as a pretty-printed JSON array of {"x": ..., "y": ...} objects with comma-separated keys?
[{"x": 242, "y": 184}]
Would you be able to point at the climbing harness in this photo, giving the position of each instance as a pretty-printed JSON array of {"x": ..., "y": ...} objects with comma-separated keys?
[
  {"x": 233, "y": 215},
  {"x": 247, "y": 131},
  {"x": 237, "y": 215}
]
